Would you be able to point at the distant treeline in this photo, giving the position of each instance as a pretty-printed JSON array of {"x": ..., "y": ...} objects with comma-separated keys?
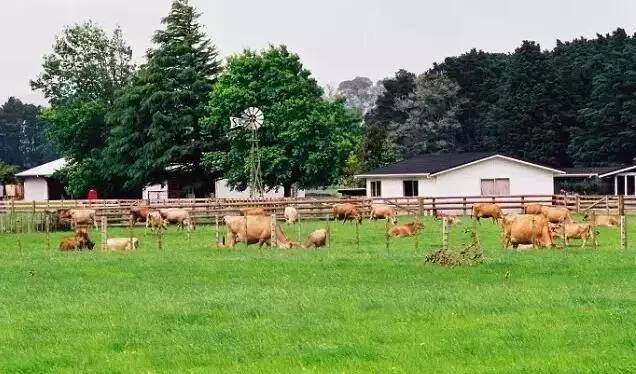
[{"x": 573, "y": 105}]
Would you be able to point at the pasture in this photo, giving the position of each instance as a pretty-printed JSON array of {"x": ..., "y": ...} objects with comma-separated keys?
[{"x": 191, "y": 307}]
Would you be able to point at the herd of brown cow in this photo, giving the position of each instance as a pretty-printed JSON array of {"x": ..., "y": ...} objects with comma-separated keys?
[{"x": 538, "y": 225}]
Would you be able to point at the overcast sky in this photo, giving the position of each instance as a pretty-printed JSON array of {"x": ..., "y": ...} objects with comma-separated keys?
[{"x": 336, "y": 39}]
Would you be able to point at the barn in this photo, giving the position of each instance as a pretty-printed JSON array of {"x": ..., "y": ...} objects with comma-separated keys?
[
  {"x": 39, "y": 182},
  {"x": 460, "y": 174}
]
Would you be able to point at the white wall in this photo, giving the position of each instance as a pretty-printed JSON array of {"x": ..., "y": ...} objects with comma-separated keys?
[
  {"x": 524, "y": 179},
  {"x": 466, "y": 181},
  {"x": 223, "y": 191},
  {"x": 35, "y": 189},
  {"x": 155, "y": 192}
]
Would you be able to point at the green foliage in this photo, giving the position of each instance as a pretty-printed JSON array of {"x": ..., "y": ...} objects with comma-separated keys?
[
  {"x": 305, "y": 140},
  {"x": 156, "y": 118},
  {"x": 23, "y": 140},
  {"x": 189, "y": 308},
  {"x": 7, "y": 173},
  {"x": 80, "y": 78}
]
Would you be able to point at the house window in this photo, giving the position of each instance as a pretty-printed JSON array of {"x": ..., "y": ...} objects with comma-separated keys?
[
  {"x": 495, "y": 187},
  {"x": 410, "y": 188},
  {"x": 376, "y": 188}
]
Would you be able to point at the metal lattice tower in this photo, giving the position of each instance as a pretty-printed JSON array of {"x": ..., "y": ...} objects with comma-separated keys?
[{"x": 252, "y": 119}]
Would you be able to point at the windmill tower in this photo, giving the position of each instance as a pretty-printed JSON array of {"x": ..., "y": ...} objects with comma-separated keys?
[{"x": 252, "y": 119}]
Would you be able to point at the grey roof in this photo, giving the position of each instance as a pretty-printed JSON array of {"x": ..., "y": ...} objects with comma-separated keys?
[
  {"x": 436, "y": 163},
  {"x": 45, "y": 170},
  {"x": 591, "y": 171}
]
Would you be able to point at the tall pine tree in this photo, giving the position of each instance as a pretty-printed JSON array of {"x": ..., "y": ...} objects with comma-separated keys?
[{"x": 157, "y": 117}]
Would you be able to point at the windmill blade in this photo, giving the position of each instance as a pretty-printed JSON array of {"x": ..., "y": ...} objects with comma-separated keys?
[
  {"x": 254, "y": 117},
  {"x": 236, "y": 122}
]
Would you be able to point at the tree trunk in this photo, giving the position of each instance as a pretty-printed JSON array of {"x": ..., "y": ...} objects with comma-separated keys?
[{"x": 287, "y": 189}]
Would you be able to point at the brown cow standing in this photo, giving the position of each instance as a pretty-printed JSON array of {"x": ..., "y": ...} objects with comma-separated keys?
[
  {"x": 382, "y": 211},
  {"x": 79, "y": 241},
  {"x": 346, "y": 211},
  {"x": 78, "y": 217},
  {"x": 258, "y": 231},
  {"x": 518, "y": 230},
  {"x": 487, "y": 210},
  {"x": 178, "y": 216},
  {"x": 317, "y": 239},
  {"x": 155, "y": 221},
  {"x": 408, "y": 229},
  {"x": 138, "y": 214},
  {"x": 533, "y": 209},
  {"x": 556, "y": 214},
  {"x": 573, "y": 231}
]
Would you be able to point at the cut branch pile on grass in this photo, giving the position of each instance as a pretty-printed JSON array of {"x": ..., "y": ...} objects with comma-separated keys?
[{"x": 470, "y": 255}]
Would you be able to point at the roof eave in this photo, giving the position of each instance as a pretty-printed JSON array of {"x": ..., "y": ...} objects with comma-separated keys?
[{"x": 367, "y": 176}]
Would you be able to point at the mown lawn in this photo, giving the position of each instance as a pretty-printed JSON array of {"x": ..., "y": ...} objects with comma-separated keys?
[{"x": 191, "y": 307}]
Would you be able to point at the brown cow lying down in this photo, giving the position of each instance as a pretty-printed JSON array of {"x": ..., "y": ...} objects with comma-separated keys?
[
  {"x": 382, "y": 211},
  {"x": 487, "y": 210},
  {"x": 346, "y": 211},
  {"x": 573, "y": 231},
  {"x": 408, "y": 229},
  {"x": 258, "y": 231},
  {"x": 533, "y": 209},
  {"x": 317, "y": 239},
  {"x": 518, "y": 230},
  {"x": 138, "y": 214},
  {"x": 604, "y": 220},
  {"x": 79, "y": 217},
  {"x": 122, "y": 244},
  {"x": 79, "y": 241},
  {"x": 556, "y": 214},
  {"x": 155, "y": 221},
  {"x": 179, "y": 216},
  {"x": 252, "y": 211}
]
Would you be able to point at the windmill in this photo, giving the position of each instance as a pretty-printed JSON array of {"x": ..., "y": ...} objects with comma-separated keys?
[{"x": 252, "y": 119}]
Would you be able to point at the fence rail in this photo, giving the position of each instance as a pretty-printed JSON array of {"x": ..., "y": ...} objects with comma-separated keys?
[{"x": 31, "y": 216}]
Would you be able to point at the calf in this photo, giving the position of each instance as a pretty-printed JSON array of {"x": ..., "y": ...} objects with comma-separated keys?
[
  {"x": 155, "y": 221},
  {"x": 603, "y": 220},
  {"x": 317, "y": 239},
  {"x": 79, "y": 241},
  {"x": 581, "y": 231},
  {"x": 291, "y": 215},
  {"x": 556, "y": 214},
  {"x": 408, "y": 229},
  {"x": 138, "y": 214},
  {"x": 179, "y": 216},
  {"x": 122, "y": 244}
]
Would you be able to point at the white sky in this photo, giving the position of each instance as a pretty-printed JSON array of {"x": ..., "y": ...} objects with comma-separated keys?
[{"x": 336, "y": 39}]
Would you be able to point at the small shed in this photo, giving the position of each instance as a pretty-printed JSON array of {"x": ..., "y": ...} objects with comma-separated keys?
[
  {"x": 39, "y": 183},
  {"x": 613, "y": 179},
  {"x": 460, "y": 174}
]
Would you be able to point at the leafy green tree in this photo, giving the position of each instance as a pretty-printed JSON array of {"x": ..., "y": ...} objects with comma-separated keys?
[
  {"x": 432, "y": 124},
  {"x": 80, "y": 79},
  {"x": 23, "y": 140},
  {"x": 157, "y": 117},
  {"x": 305, "y": 140},
  {"x": 7, "y": 173}
]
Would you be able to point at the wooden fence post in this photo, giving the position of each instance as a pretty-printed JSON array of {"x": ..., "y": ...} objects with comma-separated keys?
[
  {"x": 434, "y": 207},
  {"x": 523, "y": 204},
  {"x": 621, "y": 212},
  {"x": 104, "y": 234},
  {"x": 328, "y": 233},
  {"x": 578, "y": 203},
  {"x": 32, "y": 225},
  {"x": 387, "y": 238},
  {"x": 534, "y": 235},
  {"x": 273, "y": 240},
  {"x": 606, "y": 205},
  {"x": 216, "y": 228},
  {"x": 47, "y": 228},
  {"x": 245, "y": 236},
  {"x": 420, "y": 206},
  {"x": 357, "y": 234},
  {"x": 464, "y": 204},
  {"x": 593, "y": 221},
  {"x": 444, "y": 233}
]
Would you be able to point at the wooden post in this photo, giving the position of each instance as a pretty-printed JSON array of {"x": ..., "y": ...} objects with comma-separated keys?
[
  {"x": 434, "y": 207},
  {"x": 523, "y": 204},
  {"x": 387, "y": 238},
  {"x": 357, "y": 234},
  {"x": 607, "y": 205},
  {"x": 578, "y": 203},
  {"x": 47, "y": 228},
  {"x": 104, "y": 234},
  {"x": 444, "y": 233},
  {"x": 416, "y": 241},
  {"x": 32, "y": 225},
  {"x": 534, "y": 235},
  {"x": 245, "y": 236},
  {"x": 216, "y": 228},
  {"x": 565, "y": 244},
  {"x": 593, "y": 222},
  {"x": 464, "y": 204},
  {"x": 273, "y": 240},
  {"x": 623, "y": 223},
  {"x": 328, "y": 233},
  {"x": 420, "y": 206}
]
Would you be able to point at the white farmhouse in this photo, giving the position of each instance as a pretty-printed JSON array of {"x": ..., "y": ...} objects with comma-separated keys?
[
  {"x": 39, "y": 184},
  {"x": 460, "y": 174}
]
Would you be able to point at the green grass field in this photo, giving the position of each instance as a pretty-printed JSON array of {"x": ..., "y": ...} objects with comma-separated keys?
[{"x": 193, "y": 308}]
